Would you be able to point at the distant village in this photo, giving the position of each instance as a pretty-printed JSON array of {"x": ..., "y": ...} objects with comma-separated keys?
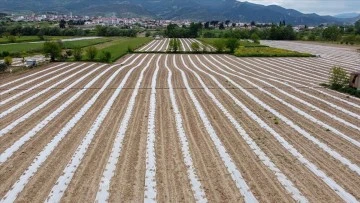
[{"x": 92, "y": 21}]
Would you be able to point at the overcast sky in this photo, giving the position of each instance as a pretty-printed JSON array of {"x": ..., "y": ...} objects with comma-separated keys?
[{"x": 324, "y": 7}]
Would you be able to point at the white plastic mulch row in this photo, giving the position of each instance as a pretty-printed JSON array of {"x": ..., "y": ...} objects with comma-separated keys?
[
  {"x": 103, "y": 192},
  {"x": 288, "y": 185},
  {"x": 17, "y": 106},
  {"x": 228, "y": 162},
  {"x": 334, "y": 117},
  {"x": 147, "y": 45},
  {"x": 167, "y": 44},
  {"x": 31, "y": 75},
  {"x": 37, "y": 85},
  {"x": 20, "y": 142},
  {"x": 280, "y": 77},
  {"x": 195, "y": 183},
  {"x": 153, "y": 46},
  {"x": 150, "y": 164},
  {"x": 12, "y": 125},
  {"x": 34, "y": 79},
  {"x": 307, "y": 135},
  {"x": 300, "y": 73},
  {"x": 296, "y": 89},
  {"x": 164, "y": 47},
  {"x": 63, "y": 181},
  {"x": 312, "y": 167},
  {"x": 50, "y": 147},
  {"x": 186, "y": 45}
]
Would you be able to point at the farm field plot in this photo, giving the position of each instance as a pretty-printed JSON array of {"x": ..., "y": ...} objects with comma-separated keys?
[
  {"x": 163, "y": 45},
  {"x": 337, "y": 55},
  {"x": 179, "y": 128}
]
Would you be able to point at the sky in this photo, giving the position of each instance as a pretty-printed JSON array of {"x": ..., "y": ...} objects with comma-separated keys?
[{"x": 323, "y": 7}]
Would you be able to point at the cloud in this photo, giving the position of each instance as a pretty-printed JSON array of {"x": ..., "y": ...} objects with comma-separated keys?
[{"x": 324, "y": 7}]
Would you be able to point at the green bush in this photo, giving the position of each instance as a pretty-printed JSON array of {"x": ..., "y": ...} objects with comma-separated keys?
[
  {"x": 232, "y": 44},
  {"x": 105, "y": 56},
  {"x": 77, "y": 52},
  {"x": 219, "y": 45},
  {"x": 12, "y": 39},
  {"x": 5, "y": 53},
  {"x": 2, "y": 67},
  {"x": 69, "y": 53},
  {"x": 255, "y": 38},
  {"x": 338, "y": 78},
  {"x": 52, "y": 49},
  {"x": 91, "y": 53},
  {"x": 8, "y": 60}
]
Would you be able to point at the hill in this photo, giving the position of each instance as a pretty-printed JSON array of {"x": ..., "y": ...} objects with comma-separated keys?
[{"x": 203, "y": 10}]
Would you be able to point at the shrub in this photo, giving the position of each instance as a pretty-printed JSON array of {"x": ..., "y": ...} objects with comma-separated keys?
[
  {"x": 147, "y": 34},
  {"x": 338, "y": 78},
  {"x": 12, "y": 39},
  {"x": 2, "y": 67},
  {"x": 69, "y": 53},
  {"x": 232, "y": 44},
  {"x": 8, "y": 60},
  {"x": 130, "y": 50},
  {"x": 91, "y": 53},
  {"x": 219, "y": 45},
  {"x": 52, "y": 49},
  {"x": 105, "y": 56},
  {"x": 255, "y": 38},
  {"x": 5, "y": 53},
  {"x": 195, "y": 46},
  {"x": 77, "y": 52}
]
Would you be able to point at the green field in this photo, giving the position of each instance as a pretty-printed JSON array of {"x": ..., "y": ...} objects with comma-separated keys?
[
  {"x": 267, "y": 52},
  {"x": 243, "y": 43},
  {"x": 250, "y": 49},
  {"x": 21, "y": 39},
  {"x": 119, "y": 47},
  {"x": 37, "y": 47}
]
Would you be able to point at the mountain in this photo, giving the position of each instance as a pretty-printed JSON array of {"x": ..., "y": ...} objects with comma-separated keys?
[
  {"x": 347, "y": 15},
  {"x": 204, "y": 10}
]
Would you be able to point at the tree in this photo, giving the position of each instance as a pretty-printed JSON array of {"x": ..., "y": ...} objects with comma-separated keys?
[
  {"x": 195, "y": 46},
  {"x": 8, "y": 60},
  {"x": 357, "y": 27},
  {"x": 233, "y": 25},
  {"x": 253, "y": 23},
  {"x": 105, "y": 56},
  {"x": 255, "y": 38},
  {"x": 62, "y": 24},
  {"x": 77, "y": 52},
  {"x": 232, "y": 44},
  {"x": 52, "y": 49},
  {"x": 338, "y": 78},
  {"x": 219, "y": 45},
  {"x": 207, "y": 25},
  {"x": 221, "y": 26},
  {"x": 227, "y": 22},
  {"x": 147, "y": 34},
  {"x": 331, "y": 33},
  {"x": 91, "y": 53}
]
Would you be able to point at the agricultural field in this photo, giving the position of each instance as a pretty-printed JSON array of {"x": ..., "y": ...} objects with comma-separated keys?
[
  {"x": 179, "y": 128},
  {"x": 338, "y": 54},
  {"x": 163, "y": 45},
  {"x": 36, "y": 47},
  {"x": 22, "y": 39}
]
